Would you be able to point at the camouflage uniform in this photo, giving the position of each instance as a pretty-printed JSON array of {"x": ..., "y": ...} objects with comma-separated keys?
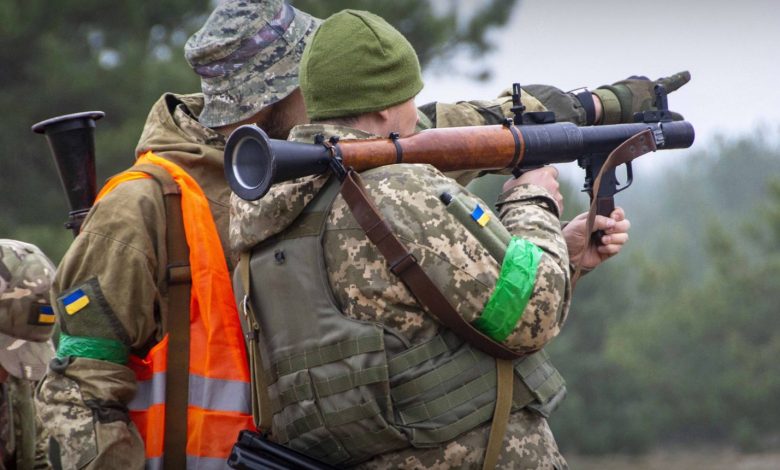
[
  {"x": 246, "y": 56},
  {"x": 366, "y": 290},
  {"x": 119, "y": 260},
  {"x": 26, "y": 325}
]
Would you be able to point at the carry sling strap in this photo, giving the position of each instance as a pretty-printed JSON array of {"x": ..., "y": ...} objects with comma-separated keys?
[
  {"x": 404, "y": 265},
  {"x": 262, "y": 410},
  {"x": 505, "y": 379},
  {"x": 636, "y": 146},
  {"x": 179, "y": 283}
]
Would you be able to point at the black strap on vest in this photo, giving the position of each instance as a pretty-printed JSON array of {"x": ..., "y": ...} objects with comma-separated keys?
[
  {"x": 404, "y": 265},
  {"x": 179, "y": 282}
]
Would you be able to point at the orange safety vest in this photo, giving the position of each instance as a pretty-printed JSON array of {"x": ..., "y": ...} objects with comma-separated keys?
[{"x": 219, "y": 403}]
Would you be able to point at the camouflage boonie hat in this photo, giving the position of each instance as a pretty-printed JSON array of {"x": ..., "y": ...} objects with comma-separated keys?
[
  {"x": 247, "y": 56},
  {"x": 26, "y": 316}
]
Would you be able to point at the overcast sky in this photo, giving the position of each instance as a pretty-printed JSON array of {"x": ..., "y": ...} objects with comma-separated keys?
[{"x": 732, "y": 50}]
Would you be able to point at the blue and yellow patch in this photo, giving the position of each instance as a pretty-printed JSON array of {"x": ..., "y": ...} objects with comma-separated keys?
[
  {"x": 46, "y": 315},
  {"x": 480, "y": 216},
  {"x": 75, "y": 302}
]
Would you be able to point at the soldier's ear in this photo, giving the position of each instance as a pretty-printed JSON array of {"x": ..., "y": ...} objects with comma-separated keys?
[{"x": 383, "y": 115}]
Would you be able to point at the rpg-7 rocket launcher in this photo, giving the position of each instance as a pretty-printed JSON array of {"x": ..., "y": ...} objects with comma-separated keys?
[
  {"x": 72, "y": 143},
  {"x": 254, "y": 162}
]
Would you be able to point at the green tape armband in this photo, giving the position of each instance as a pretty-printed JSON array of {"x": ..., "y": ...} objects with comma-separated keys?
[
  {"x": 101, "y": 349},
  {"x": 513, "y": 290},
  {"x": 610, "y": 105}
]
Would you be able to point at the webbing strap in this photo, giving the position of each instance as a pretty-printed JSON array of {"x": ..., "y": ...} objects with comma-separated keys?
[
  {"x": 404, "y": 265},
  {"x": 352, "y": 413},
  {"x": 178, "y": 321},
  {"x": 293, "y": 394},
  {"x": 331, "y": 353},
  {"x": 312, "y": 421},
  {"x": 351, "y": 380},
  {"x": 505, "y": 374},
  {"x": 427, "y": 437},
  {"x": 262, "y": 410},
  {"x": 416, "y": 355},
  {"x": 419, "y": 385},
  {"x": 447, "y": 402},
  {"x": 306, "y": 390}
]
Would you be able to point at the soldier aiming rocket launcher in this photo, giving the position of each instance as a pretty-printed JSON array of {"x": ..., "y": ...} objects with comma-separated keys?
[{"x": 254, "y": 162}]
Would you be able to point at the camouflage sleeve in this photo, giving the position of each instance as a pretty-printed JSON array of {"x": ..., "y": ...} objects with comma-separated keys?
[
  {"x": 82, "y": 403},
  {"x": 567, "y": 108},
  {"x": 107, "y": 300},
  {"x": 529, "y": 212},
  {"x": 456, "y": 261},
  {"x": 41, "y": 444}
]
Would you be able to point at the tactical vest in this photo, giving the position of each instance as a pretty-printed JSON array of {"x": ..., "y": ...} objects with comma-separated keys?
[{"x": 334, "y": 391}]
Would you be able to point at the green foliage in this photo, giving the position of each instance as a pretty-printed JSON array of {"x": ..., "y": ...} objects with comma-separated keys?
[{"x": 69, "y": 56}]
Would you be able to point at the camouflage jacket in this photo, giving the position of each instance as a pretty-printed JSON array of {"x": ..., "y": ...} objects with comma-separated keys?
[
  {"x": 119, "y": 261},
  {"x": 366, "y": 290}
]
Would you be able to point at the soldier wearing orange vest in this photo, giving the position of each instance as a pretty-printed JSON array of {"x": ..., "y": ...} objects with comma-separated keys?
[{"x": 130, "y": 301}]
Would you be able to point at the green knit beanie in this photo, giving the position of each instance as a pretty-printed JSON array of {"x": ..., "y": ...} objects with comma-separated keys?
[{"x": 357, "y": 63}]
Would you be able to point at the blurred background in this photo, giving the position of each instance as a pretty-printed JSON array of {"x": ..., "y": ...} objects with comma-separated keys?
[{"x": 671, "y": 349}]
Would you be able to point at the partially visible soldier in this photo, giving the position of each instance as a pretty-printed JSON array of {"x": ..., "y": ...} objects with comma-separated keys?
[
  {"x": 368, "y": 376},
  {"x": 26, "y": 325}
]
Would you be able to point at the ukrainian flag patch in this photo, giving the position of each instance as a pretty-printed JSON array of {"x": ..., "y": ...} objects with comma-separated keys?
[
  {"x": 46, "y": 315},
  {"x": 75, "y": 301},
  {"x": 480, "y": 216}
]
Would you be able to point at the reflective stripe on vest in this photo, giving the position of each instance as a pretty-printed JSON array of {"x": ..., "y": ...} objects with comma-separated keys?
[{"x": 219, "y": 403}]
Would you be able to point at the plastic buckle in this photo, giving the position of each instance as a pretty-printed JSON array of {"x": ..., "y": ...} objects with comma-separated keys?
[{"x": 401, "y": 265}]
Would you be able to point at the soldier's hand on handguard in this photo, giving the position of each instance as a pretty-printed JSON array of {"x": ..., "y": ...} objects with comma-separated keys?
[
  {"x": 635, "y": 94},
  {"x": 545, "y": 177},
  {"x": 615, "y": 236}
]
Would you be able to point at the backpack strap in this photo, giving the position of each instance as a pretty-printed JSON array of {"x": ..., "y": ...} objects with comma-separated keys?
[{"x": 179, "y": 282}]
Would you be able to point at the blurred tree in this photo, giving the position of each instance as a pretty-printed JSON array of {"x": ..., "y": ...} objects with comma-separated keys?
[{"x": 77, "y": 55}]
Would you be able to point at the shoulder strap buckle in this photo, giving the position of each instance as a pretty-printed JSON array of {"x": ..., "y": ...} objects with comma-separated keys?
[{"x": 400, "y": 265}]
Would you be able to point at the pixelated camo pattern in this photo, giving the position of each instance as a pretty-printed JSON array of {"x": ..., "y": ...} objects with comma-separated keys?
[
  {"x": 247, "y": 54},
  {"x": 68, "y": 420},
  {"x": 25, "y": 279}
]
